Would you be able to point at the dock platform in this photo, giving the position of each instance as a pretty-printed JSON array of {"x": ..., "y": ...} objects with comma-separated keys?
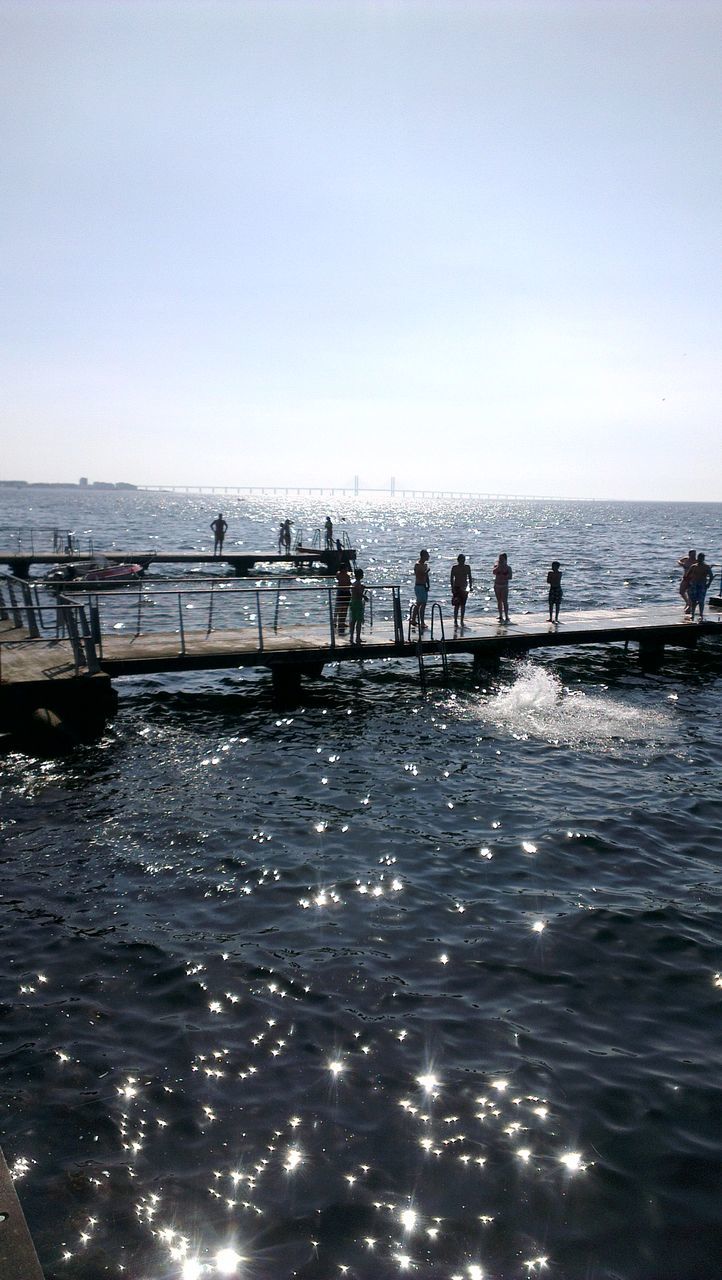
[
  {"x": 58, "y": 658},
  {"x": 241, "y": 562}
]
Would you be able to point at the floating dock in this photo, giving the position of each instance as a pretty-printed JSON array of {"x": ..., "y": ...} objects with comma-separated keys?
[{"x": 241, "y": 562}]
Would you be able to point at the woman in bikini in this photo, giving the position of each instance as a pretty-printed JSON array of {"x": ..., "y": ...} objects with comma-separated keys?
[{"x": 502, "y": 578}]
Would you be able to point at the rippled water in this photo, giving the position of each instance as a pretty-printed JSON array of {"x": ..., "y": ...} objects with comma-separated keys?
[{"x": 384, "y": 984}]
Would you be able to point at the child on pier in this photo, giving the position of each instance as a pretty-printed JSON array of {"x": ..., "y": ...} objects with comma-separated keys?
[
  {"x": 356, "y": 608},
  {"x": 554, "y": 578}
]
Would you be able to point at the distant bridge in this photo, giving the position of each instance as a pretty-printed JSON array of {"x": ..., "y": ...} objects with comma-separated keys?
[{"x": 352, "y": 490}]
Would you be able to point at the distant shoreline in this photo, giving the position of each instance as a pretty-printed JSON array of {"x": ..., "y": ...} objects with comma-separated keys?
[{"x": 65, "y": 484}]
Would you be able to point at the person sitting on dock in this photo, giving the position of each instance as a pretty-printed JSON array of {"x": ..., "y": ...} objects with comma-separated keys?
[
  {"x": 554, "y": 578},
  {"x": 461, "y": 584},
  {"x": 328, "y": 530},
  {"x": 219, "y": 527},
  {"x": 685, "y": 564},
  {"x": 502, "y": 578},
  {"x": 343, "y": 597},
  {"x": 356, "y": 609},
  {"x": 421, "y": 590},
  {"x": 700, "y": 576}
]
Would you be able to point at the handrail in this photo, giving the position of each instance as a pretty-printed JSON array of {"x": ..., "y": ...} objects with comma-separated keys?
[
  {"x": 72, "y": 619},
  {"x": 131, "y": 608},
  {"x": 54, "y": 537},
  {"x": 442, "y": 641}
]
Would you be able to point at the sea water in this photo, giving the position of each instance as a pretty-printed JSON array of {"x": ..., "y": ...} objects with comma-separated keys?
[{"x": 385, "y": 983}]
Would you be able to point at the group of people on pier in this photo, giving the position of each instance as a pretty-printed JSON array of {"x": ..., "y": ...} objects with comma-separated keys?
[
  {"x": 462, "y": 582},
  {"x": 696, "y": 577},
  {"x": 351, "y": 596}
]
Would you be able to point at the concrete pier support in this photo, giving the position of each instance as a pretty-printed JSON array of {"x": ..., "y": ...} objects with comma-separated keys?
[
  {"x": 487, "y": 663},
  {"x": 651, "y": 653},
  {"x": 287, "y": 678},
  {"x": 49, "y": 718}
]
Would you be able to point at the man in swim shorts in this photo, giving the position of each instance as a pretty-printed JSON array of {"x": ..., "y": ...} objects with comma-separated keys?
[
  {"x": 421, "y": 590},
  {"x": 700, "y": 576},
  {"x": 219, "y": 527},
  {"x": 461, "y": 584}
]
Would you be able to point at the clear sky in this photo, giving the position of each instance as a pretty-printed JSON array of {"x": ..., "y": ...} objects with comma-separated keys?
[{"x": 471, "y": 245}]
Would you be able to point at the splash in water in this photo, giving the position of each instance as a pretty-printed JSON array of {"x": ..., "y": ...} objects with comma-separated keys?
[{"x": 538, "y": 705}]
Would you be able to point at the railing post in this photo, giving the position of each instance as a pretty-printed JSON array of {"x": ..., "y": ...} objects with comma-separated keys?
[
  {"x": 182, "y": 632},
  {"x": 258, "y": 619},
  {"x": 32, "y": 620},
  {"x": 398, "y": 619},
  {"x": 91, "y": 658},
  {"x": 278, "y": 601},
  {"x": 138, "y": 623},
  {"x": 330, "y": 618},
  {"x": 210, "y": 611},
  {"x": 72, "y": 626},
  {"x": 14, "y": 607}
]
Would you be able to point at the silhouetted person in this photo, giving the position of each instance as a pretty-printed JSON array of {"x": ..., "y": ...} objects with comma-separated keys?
[
  {"x": 461, "y": 584},
  {"x": 219, "y": 527},
  {"x": 502, "y": 578},
  {"x": 700, "y": 576},
  {"x": 328, "y": 529},
  {"x": 421, "y": 590},
  {"x": 554, "y": 578}
]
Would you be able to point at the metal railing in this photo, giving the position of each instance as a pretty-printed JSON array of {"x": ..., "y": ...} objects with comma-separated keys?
[
  {"x": 43, "y": 539},
  {"x": 51, "y": 623},
  {"x": 220, "y": 606}
]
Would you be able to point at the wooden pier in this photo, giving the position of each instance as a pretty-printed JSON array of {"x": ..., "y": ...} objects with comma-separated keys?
[
  {"x": 51, "y": 683},
  {"x": 241, "y": 562},
  {"x": 484, "y": 639}
]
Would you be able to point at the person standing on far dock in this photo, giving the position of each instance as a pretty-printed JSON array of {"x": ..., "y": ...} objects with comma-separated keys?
[
  {"x": 421, "y": 590},
  {"x": 461, "y": 584},
  {"x": 700, "y": 576},
  {"x": 502, "y": 578},
  {"x": 554, "y": 578},
  {"x": 328, "y": 529},
  {"x": 219, "y": 527},
  {"x": 287, "y": 535},
  {"x": 685, "y": 564}
]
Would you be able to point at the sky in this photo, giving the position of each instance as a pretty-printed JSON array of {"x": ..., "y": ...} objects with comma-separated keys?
[{"x": 470, "y": 245}]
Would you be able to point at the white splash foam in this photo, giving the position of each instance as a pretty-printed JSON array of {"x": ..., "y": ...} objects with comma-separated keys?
[{"x": 537, "y": 705}]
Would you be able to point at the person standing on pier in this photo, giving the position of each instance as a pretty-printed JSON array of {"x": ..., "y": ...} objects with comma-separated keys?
[
  {"x": 343, "y": 597},
  {"x": 287, "y": 535},
  {"x": 700, "y": 576},
  {"x": 502, "y": 578},
  {"x": 685, "y": 564},
  {"x": 356, "y": 610},
  {"x": 219, "y": 527},
  {"x": 421, "y": 590},
  {"x": 328, "y": 529},
  {"x": 461, "y": 584},
  {"x": 554, "y": 578}
]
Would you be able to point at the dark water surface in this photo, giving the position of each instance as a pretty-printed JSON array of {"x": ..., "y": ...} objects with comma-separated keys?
[{"x": 383, "y": 984}]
